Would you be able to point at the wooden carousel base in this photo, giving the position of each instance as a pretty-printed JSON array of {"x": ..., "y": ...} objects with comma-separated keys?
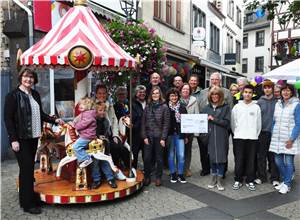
[{"x": 60, "y": 191}]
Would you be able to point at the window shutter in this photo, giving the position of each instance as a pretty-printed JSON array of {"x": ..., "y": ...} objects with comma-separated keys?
[
  {"x": 156, "y": 2},
  {"x": 178, "y": 14},
  {"x": 169, "y": 11}
]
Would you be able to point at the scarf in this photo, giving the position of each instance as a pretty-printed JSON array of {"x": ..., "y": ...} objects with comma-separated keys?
[
  {"x": 155, "y": 104},
  {"x": 185, "y": 102},
  {"x": 176, "y": 110}
]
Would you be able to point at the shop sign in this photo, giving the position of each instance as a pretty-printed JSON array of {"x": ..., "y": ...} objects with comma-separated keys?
[
  {"x": 230, "y": 59},
  {"x": 199, "y": 34}
]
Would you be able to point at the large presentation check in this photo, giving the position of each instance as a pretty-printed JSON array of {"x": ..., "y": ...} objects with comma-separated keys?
[{"x": 194, "y": 123}]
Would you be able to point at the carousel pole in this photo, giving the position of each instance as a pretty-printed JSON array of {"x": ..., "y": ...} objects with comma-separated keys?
[
  {"x": 128, "y": 7},
  {"x": 130, "y": 174}
]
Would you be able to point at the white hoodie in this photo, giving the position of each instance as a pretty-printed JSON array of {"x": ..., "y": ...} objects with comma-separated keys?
[{"x": 246, "y": 121}]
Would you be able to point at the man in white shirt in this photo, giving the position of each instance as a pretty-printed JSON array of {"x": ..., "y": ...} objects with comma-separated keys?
[{"x": 246, "y": 127}]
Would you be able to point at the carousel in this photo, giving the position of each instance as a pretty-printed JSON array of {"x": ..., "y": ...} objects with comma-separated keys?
[{"x": 78, "y": 41}]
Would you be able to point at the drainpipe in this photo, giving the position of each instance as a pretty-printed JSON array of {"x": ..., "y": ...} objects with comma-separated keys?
[{"x": 30, "y": 20}]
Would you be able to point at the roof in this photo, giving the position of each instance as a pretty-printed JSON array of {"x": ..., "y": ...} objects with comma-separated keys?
[{"x": 78, "y": 27}]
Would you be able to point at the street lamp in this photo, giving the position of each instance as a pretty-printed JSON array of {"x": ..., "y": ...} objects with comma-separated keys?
[{"x": 128, "y": 7}]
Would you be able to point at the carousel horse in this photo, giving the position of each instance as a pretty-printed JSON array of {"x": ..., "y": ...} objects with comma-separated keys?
[
  {"x": 96, "y": 149},
  {"x": 124, "y": 123},
  {"x": 47, "y": 148}
]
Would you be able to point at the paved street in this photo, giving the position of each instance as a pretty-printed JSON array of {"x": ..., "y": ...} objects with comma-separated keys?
[{"x": 171, "y": 201}]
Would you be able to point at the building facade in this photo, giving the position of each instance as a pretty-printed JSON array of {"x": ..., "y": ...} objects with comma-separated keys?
[
  {"x": 285, "y": 39},
  {"x": 172, "y": 22},
  {"x": 221, "y": 49},
  {"x": 256, "y": 44}
]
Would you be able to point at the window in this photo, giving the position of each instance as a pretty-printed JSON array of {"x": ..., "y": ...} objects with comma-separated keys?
[
  {"x": 214, "y": 38},
  {"x": 168, "y": 12},
  {"x": 259, "y": 64},
  {"x": 245, "y": 41},
  {"x": 199, "y": 18},
  {"x": 245, "y": 65},
  {"x": 229, "y": 45},
  {"x": 260, "y": 38},
  {"x": 238, "y": 17},
  {"x": 178, "y": 14},
  {"x": 249, "y": 18},
  {"x": 157, "y": 9},
  {"x": 238, "y": 51},
  {"x": 230, "y": 9}
]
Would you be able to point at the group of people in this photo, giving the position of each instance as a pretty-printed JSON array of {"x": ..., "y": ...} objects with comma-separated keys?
[
  {"x": 263, "y": 121},
  {"x": 264, "y": 127}
]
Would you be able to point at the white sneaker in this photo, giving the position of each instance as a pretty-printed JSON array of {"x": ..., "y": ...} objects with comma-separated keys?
[
  {"x": 86, "y": 163},
  {"x": 275, "y": 183},
  {"x": 236, "y": 185},
  {"x": 251, "y": 186},
  {"x": 258, "y": 181},
  {"x": 279, "y": 186},
  {"x": 284, "y": 189}
]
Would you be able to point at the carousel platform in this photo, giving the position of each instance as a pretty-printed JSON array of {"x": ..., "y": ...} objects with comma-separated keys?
[{"x": 62, "y": 191}]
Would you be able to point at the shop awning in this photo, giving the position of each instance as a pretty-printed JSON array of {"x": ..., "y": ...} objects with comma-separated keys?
[
  {"x": 213, "y": 65},
  {"x": 78, "y": 27}
]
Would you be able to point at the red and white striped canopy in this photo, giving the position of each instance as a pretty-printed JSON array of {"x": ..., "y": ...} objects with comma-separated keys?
[{"x": 78, "y": 27}]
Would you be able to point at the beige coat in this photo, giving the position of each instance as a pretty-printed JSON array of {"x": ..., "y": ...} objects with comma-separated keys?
[{"x": 112, "y": 119}]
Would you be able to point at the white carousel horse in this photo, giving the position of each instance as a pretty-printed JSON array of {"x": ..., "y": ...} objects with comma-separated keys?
[
  {"x": 124, "y": 123},
  {"x": 96, "y": 149}
]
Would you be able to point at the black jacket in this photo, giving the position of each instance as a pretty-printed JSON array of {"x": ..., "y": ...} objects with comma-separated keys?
[
  {"x": 155, "y": 121},
  {"x": 175, "y": 128},
  {"x": 137, "y": 114},
  {"x": 17, "y": 114},
  {"x": 103, "y": 128}
]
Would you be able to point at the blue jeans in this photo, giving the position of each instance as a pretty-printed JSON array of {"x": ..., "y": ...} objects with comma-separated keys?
[
  {"x": 105, "y": 167},
  {"x": 176, "y": 149},
  {"x": 285, "y": 164},
  {"x": 78, "y": 147},
  {"x": 217, "y": 169}
]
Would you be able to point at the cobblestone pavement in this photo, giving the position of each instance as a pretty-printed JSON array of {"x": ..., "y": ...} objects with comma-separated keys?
[{"x": 171, "y": 201}]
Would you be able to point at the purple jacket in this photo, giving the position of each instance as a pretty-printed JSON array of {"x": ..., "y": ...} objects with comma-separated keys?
[{"x": 87, "y": 124}]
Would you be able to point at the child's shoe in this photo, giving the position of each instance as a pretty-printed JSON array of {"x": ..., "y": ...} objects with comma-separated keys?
[
  {"x": 112, "y": 183},
  {"x": 96, "y": 184},
  {"x": 86, "y": 163}
]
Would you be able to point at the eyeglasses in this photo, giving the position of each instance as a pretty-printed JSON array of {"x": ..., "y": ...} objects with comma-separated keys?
[{"x": 234, "y": 90}]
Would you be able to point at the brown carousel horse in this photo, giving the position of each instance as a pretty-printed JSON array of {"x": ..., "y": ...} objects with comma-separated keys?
[{"x": 48, "y": 148}]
